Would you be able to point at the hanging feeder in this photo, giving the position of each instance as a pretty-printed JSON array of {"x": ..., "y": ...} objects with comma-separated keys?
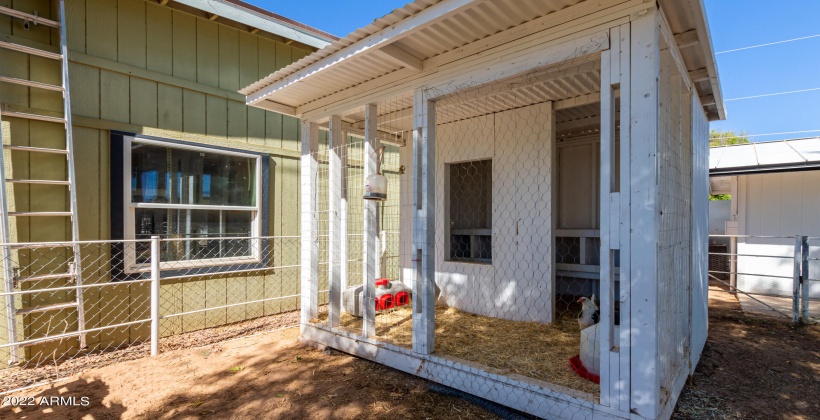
[{"x": 375, "y": 186}]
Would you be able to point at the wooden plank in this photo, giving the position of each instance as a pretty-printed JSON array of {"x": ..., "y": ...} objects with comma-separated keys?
[
  {"x": 193, "y": 112},
  {"x": 228, "y": 58},
  {"x": 336, "y": 143},
  {"x": 170, "y": 294},
  {"x": 207, "y": 52},
  {"x": 193, "y": 298},
  {"x": 273, "y": 280},
  {"x": 290, "y": 133},
  {"x": 216, "y": 294},
  {"x": 217, "y": 116},
  {"x": 248, "y": 59},
  {"x": 184, "y": 46},
  {"x": 131, "y": 35},
  {"x": 46, "y": 71},
  {"x": 75, "y": 16},
  {"x": 85, "y": 90},
  {"x": 14, "y": 64},
  {"x": 101, "y": 24},
  {"x": 236, "y": 292},
  {"x": 267, "y": 56},
  {"x": 169, "y": 107},
  {"x": 159, "y": 42},
  {"x": 143, "y": 102},
  {"x": 290, "y": 226},
  {"x": 237, "y": 121},
  {"x": 370, "y": 225},
  {"x": 645, "y": 68},
  {"x": 256, "y": 126},
  {"x": 114, "y": 94},
  {"x": 285, "y": 55},
  {"x": 273, "y": 129},
  {"x": 309, "y": 221}
]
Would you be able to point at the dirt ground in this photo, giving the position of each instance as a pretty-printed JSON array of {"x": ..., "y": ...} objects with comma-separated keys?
[{"x": 752, "y": 368}]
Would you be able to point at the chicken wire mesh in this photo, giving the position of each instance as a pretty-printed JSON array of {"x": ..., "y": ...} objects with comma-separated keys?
[
  {"x": 354, "y": 154},
  {"x": 210, "y": 289}
]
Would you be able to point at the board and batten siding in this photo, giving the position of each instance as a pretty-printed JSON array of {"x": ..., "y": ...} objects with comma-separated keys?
[
  {"x": 137, "y": 66},
  {"x": 776, "y": 204}
]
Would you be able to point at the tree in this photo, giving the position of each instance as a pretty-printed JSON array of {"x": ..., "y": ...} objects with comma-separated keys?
[{"x": 726, "y": 138}]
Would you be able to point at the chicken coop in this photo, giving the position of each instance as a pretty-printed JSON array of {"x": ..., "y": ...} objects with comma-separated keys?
[{"x": 472, "y": 169}]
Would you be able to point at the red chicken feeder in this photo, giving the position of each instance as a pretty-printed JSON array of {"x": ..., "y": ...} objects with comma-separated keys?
[
  {"x": 578, "y": 367},
  {"x": 385, "y": 302},
  {"x": 402, "y": 298}
]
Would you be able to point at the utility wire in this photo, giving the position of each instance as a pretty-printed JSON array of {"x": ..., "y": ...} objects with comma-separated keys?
[
  {"x": 772, "y": 94},
  {"x": 770, "y": 43}
]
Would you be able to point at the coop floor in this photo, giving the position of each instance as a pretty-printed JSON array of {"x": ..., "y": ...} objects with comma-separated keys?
[{"x": 530, "y": 349}]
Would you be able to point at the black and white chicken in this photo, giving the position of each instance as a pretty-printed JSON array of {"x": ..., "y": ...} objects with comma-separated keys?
[{"x": 589, "y": 312}]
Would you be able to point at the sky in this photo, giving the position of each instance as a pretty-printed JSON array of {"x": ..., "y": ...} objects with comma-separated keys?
[{"x": 733, "y": 24}]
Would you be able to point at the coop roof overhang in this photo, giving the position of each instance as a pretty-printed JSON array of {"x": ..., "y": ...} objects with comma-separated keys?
[
  {"x": 427, "y": 34},
  {"x": 765, "y": 157}
]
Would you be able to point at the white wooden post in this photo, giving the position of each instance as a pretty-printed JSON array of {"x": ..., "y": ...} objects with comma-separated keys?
[
  {"x": 804, "y": 303},
  {"x": 155, "y": 275},
  {"x": 371, "y": 223},
  {"x": 310, "y": 224},
  {"x": 424, "y": 292},
  {"x": 614, "y": 220},
  {"x": 644, "y": 219},
  {"x": 796, "y": 280},
  {"x": 335, "y": 148},
  {"x": 343, "y": 249}
]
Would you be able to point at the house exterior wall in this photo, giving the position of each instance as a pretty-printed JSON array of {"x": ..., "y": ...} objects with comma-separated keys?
[
  {"x": 518, "y": 285},
  {"x": 139, "y": 67},
  {"x": 776, "y": 204}
]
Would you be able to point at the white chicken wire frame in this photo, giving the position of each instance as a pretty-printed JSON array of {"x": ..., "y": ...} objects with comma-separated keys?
[
  {"x": 497, "y": 249},
  {"x": 353, "y": 265}
]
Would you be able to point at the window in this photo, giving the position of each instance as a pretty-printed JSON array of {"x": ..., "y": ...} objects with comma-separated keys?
[
  {"x": 205, "y": 199},
  {"x": 470, "y": 211}
]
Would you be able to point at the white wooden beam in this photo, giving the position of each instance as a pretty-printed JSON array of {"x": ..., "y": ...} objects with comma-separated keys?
[
  {"x": 336, "y": 146},
  {"x": 401, "y": 57},
  {"x": 622, "y": 385},
  {"x": 277, "y": 107},
  {"x": 687, "y": 39},
  {"x": 343, "y": 249},
  {"x": 699, "y": 75},
  {"x": 310, "y": 223},
  {"x": 371, "y": 223},
  {"x": 424, "y": 181},
  {"x": 587, "y": 99},
  {"x": 644, "y": 218},
  {"x": 384, "y": 37}
]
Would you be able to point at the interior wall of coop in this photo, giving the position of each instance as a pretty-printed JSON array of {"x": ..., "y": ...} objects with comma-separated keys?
[{"x": 518, "y": 284}]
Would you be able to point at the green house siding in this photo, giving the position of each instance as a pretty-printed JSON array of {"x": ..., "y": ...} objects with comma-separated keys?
[{"x": 136, "y": 66}]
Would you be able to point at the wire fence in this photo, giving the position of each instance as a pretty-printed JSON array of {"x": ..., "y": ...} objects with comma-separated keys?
[
  {"x": 770, "y": 275},
  {"x": 70, "y": 306}
]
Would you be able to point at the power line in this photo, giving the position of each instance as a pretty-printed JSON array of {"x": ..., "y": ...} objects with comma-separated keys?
[
  {"x": 770, "y": 43},
  {"x": 767, "y": 134},
  {"x": 772, "y": 94}
]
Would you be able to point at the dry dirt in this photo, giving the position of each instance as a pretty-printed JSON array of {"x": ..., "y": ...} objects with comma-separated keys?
[
  {"x": 753, "y": 367},
  {"x": 264, "y": 376}
]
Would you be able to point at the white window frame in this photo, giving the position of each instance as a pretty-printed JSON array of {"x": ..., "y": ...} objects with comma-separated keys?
[{"x": 129, "y": 213}]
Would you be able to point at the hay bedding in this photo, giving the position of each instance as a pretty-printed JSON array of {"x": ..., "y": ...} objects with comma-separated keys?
[{"x": 531, "y": 349}]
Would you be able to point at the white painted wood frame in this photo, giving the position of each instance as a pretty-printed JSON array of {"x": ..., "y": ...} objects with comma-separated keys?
[
  {"x": 423, "y": 250},
  {"x": 310, "y": 223},
  {"x": 614, "y": 220},
  {"x": 336, "y": 143},
  {"x": 643, "y": 235},
  {"x": 371, "y": 223},
  {"x": 343, "y": 220}
]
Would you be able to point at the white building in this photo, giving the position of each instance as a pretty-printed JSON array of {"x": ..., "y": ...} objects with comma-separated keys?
[{"x": 775, "y": 188}]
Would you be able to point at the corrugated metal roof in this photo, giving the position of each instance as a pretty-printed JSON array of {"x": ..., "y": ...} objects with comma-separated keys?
[
  {"x": 442, "y": 26},
  {"x": 775, "y": 156}
]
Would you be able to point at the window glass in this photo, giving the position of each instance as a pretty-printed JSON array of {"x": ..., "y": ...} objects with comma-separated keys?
[
  {"x": 202, "y": 229},
  {"x": 164, "y": 175}
]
